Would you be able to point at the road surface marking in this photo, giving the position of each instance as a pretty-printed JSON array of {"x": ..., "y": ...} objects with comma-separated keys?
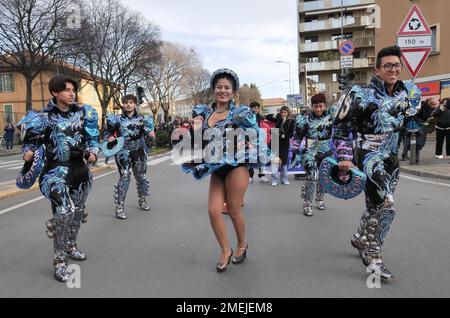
[{"x": 42, "y": 197}]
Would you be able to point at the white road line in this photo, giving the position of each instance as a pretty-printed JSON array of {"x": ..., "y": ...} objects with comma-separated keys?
[
  {"x": 424, "y": 181},
  {"x": 42, "y": 197},
  {"x": 9, "y": 162},
  {"x": 7, "y": 182},
  {"x": 158, "y": 161},
  {"x": 14, "y": 168},
  {"x": 12, "y": 165}
]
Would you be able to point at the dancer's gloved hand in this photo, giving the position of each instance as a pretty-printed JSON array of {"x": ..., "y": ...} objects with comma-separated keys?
[{"x": 111, "y": 139}]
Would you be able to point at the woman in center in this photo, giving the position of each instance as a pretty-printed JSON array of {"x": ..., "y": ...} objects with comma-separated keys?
[{"x": 229, "y": 172}]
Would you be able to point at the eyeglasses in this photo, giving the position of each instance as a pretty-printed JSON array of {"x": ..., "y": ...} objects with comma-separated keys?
[{"x": 389, "y": 66}]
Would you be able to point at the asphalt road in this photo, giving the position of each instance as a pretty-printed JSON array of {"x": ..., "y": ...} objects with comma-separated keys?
[{"x": 171, "y": 251}]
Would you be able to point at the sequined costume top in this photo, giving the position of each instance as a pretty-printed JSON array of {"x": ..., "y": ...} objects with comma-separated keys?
[
  {"x": 220, "y": 148},
  {"x": 372, "y": 118},
  {"x": 134, "y": 129},
  {"x": 67, "y": 135},
  {"x": 316, "y": 131}
]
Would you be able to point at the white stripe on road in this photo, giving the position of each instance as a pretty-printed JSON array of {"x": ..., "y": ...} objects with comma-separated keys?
[
  {"x": 158, "y": 161},
  {"x": 12, "y": 164},
  {"x": 425, "y": 181},
  {"x": 7, "y": 182},
  {"x": 9, "y": 162},
  {"x": 42, "y": 197},
  {"x": 14, "y": 168}
]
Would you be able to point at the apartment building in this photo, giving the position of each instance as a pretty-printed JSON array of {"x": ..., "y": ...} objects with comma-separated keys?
[{"x": 319, "y": 36}]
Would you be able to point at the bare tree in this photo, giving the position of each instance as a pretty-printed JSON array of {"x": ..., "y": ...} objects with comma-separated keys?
[
  {"x": 196, "y": 85},
  {"x": 115, "y": 43},
  {"x": 30, "y": 33},
  {"x": 248, "y": 94},
  {"x": 165, "y": 80}
]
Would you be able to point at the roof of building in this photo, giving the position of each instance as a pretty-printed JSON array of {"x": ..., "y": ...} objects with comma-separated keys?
[{"x": 269, "y": 102}]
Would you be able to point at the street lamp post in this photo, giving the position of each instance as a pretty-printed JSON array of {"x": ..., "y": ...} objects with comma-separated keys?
[{"x": 290, "y": 84}]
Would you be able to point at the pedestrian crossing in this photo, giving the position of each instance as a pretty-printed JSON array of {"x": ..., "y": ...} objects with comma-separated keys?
[{"x": 18, "y": 164}]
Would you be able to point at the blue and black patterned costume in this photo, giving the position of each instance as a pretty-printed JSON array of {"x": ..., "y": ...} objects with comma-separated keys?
[
  {"x": 377, "y": 119},
  {"x": 220, "y": 155},
  {"x": 69, "y": 138},
  {"x": 132, "y": 157},
  {"x": 317, "y": 134}
]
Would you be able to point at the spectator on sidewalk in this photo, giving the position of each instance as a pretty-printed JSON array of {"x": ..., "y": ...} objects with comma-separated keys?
[
  {"x": 286, "y": 126},
  {"x": 415, "y": 124},
  {"x": 442, "y": 115},
  {"x": 9, "y": 136},
  {"x": 256, "y": 107}
]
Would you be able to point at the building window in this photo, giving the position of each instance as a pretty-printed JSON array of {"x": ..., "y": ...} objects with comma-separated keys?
[
  {"x": 311, "y": 19},
  {"x": 9, "y": 114},
  {"x": 6, "y": 83},
  {"x": 337, "y": 36},
  {"x": 434, "y": 39},
  {"x": 335, "y": 77},
  {"x": 311, "y": 39}
]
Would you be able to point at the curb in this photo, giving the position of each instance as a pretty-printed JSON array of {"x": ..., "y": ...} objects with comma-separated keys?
[
  {"x": 12, "y": 191},
  {"x": 424, "y": 174}
]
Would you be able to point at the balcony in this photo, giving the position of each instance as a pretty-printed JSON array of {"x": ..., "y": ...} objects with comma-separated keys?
[
  {"x": 335, "y": 65},
  {"x": 334, "y": 45},
  {"x": 330, "y": 24},
  {"x": 319, "y": 46},
  {"x": 331, "y": 4}
]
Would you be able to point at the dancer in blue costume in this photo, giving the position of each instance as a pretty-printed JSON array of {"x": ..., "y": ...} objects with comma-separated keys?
[
  {"x": 315, "y": 126},
  {"x": 377, "y": 113},
  {"x": 136, "y": 130},
  {"x": 228, "y": 169},
  {"x": 69, "y": 134}
]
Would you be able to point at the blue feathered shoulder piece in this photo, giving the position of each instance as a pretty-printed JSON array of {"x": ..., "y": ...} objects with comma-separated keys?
[
  {"x": 201, "y": 110},
  {"x": 244, "y": 117}
]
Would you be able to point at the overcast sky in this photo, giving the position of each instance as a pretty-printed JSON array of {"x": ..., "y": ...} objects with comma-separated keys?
[{"x": 247, "y": 36}]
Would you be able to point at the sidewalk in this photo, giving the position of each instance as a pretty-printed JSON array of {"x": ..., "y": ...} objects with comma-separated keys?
[
  {"x": 429, "y": 167},
  {"x": 17, "y": 150}
]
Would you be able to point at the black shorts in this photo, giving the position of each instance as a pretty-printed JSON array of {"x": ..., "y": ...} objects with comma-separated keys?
[{"x": 223, "y": 172}]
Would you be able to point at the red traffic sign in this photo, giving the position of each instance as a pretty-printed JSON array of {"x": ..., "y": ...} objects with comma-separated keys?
[
  {"x": 346, "y": 48},
  {"x": 414, "y": 59},
  {"x": 414, "y": 24}
]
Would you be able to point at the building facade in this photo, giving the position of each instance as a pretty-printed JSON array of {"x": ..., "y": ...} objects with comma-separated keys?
[
  {"x": 434, "y": 78},
  {"x": 272, "y": 105},
  {"x": 13, "y": 92},
  {"x": 319, "y": 36}
]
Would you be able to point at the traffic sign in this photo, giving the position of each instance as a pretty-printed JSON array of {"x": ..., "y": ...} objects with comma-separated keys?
[
  {"x": 346, "y": 48},
  {"x": 414, "y": 40},
  {"x": 346, "y": 61},
  {"x": 414, "y": 59},
  {"x": 414, "y": 24}
]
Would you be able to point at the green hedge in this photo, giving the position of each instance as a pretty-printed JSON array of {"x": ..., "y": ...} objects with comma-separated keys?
[{"x": 162, "y": 138}]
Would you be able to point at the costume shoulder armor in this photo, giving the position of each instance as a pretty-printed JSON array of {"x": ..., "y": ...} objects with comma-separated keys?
[
  {"x": 414, "y": 94},
  {"x": 301, "y": 121},
  {"x": 148, "y": 123}
]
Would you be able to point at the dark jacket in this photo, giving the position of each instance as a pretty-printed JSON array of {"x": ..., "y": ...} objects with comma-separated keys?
[
  {"x": 442, "y": 118},
  {"x": 286, "y": 133},
  {"x": 9, "y": 132}
]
